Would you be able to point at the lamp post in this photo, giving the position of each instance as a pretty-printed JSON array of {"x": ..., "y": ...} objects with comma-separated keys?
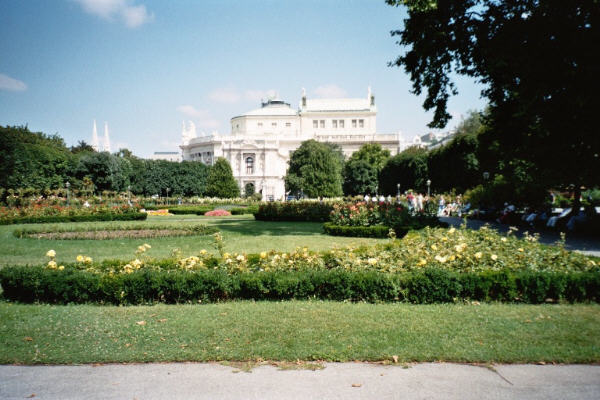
[
  {"x": 486, "y": 176},
  {"x": 398, "y": 193},
  {"x": 376, "y": 191},
  {"x": 167, "y": 196},
  {"x": 428, "y": 187},
  {"x": 67, "y": 186},
  {"x": 129, "y": 194}
]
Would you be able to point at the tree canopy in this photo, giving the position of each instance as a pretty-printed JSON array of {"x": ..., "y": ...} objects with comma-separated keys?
[
  {"x": 221, "y": 182},
  {"x": 315, "y": 169},
  {"x": 536, "y": 60},
  {"x": 361, "y": 171}
]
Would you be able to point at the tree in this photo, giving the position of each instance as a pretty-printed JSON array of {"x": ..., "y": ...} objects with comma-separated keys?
[
  {"x": 536, "y": 61},
  {"x": 315, "y": 170},
  {"x": 221, "y": 182},
  {"x": 106, "y": 171},
  {"x": 408, "y": 168},
  {"x": 362, "y": 169},
  {"x": 82, "y": 145}
]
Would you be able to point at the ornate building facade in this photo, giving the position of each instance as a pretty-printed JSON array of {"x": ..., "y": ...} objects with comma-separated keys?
[{"x": 262, "y": 140}]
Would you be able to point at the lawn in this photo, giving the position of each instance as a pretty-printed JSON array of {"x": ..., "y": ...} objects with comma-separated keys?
[
  {"x": 486, "y": 333},
  {"x": 241, "y": 234}
]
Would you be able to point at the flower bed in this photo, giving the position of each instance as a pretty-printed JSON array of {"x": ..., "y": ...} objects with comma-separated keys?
[
  {"x": 433, "y": 265},
  {"x": 113, "y": 232},
  {"x": 217, "y": 213},
  {"x": 309, "y": 211}
]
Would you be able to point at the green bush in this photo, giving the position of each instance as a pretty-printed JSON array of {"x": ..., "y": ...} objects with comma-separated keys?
[
  {"x": 310, "y": 211},
  {"x": 182, "y": 210},
  {"x": 430, "y": 285},
  {"x": 130, "y": 216},
  {"x": 375, "y": 231},
  {"x": 244, "y": 210}
]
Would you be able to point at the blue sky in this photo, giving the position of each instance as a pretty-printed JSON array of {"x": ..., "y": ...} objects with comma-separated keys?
[{"x": 146, "y": 65}]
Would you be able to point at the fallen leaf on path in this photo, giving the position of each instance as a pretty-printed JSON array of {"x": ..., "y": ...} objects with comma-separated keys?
[
  {"x": 28, "y": 339},
  {"x": 141, "y": 322},
  {"x": 31, "y": 396},
  {"x": 162, "y": 320},
  {"x": 395, "y": 358},
  {"x": 356, "y": 384}
]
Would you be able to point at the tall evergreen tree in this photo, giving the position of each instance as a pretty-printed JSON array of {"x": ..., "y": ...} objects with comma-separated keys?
[{"x": 221, "y": 182}]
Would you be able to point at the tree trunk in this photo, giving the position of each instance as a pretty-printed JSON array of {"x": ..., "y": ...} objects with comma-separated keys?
[{"x": 576, "y": 201}]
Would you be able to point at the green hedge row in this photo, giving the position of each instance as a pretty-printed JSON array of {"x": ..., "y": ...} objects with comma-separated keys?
[
  {"x": 180, "y": 210},
  {"x": 39, "y": 284},
  {"x": 244, "y": 210},
  {"x": 308, "y": 211},
  {"x": 375, "y": 231},
  {"x": 132, "y": 216}
]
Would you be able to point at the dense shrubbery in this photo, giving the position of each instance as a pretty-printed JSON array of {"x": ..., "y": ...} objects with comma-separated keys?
[
  {"x": 375, "y": 231},
  {"x": 40, "y": 214},
  {"x": 183, "y": 210},
  {"x": 295, "y": 211},
  {"x": 112, "y": 231},
  {"x": 434, "y": 265},
  {"x": 244, "y": 210}
]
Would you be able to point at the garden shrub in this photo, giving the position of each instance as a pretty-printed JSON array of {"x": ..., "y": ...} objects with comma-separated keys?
[
  {"x": 130, "y": 216},
  {"x": 375, "y": 231},
  {"x": 244, "y": 210},
  {"x": 308, "y": 211}
]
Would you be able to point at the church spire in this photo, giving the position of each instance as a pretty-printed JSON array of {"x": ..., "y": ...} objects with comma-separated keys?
[
  {"x": 95, "y": 145},
  {"x": 106, "y": 139}
]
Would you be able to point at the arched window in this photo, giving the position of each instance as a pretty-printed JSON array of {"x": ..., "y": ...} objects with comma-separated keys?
[{"x": 249, "y": 165}]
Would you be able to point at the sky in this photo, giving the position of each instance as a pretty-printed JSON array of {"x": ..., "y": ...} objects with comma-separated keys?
[{"x": 144, "y": 66}]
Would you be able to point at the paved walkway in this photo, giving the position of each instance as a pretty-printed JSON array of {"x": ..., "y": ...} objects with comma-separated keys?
[
  {"x": 336, "y": 381},
  {"x": 584, "y": 244}
]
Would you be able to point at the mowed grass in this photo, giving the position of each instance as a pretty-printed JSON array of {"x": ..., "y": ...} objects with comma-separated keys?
[
  {"x": 237, "y": 331},
  {"x": 242, "y": 234}
]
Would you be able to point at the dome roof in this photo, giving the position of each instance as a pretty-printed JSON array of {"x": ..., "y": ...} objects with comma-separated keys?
[{"x": 273, "y": 107}]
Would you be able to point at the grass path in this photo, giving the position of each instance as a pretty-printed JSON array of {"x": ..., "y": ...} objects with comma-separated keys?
[
  {"x": 299, "y": 330},
  {"x": 241, "y": 234}
]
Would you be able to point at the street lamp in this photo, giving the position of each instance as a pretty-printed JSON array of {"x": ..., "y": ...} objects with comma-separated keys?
[
  {"x": 486, "y": 176},
  {"x": 67, "y": 185},
  {"x": 376, "y": 191},
  {"x": 167, "y": 196},
  {"x": 129, "y": 194},
  {"x": 398, "y": 187},
  {"x": 428, "y": 187}
]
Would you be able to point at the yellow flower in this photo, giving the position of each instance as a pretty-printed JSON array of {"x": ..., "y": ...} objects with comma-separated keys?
[
  {"x": 445, "y": 239},
  {"x": 141, "y": 249},
  {"x": 146, "y": 245},
  {"x": 422, "y": 261},
  {"x": 52, "y": 264},
  {"x": 61, "y": 267},
  {"x": 305, "y": 249},
  {"x": 440, "y": 259},
  {"x": 225, "y": 255},
  {"x": 452, "y": 258},
  {"x": 88, "y": 260},
  {"x": 80, "y": 258},
  {"x": 451, "y": 230},
  {"x": 503, "y": 239},
  {"x": 372, "y": 261},
  {"x": 51, "y": 253},
  {"x": 478, "y": 254},
  {"x": 263, "y": 254},
  {"x": 521, "y": 249},
  {"x": 136, "y": 263},
  {"x": 494, "y": 257},
  {"x": 203, "y": 252},
  {"x": 433, "y": 247},
  {"x": 240, "y": 258}
]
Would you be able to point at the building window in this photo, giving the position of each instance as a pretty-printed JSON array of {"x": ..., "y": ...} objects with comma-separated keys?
[
  {"x": 341, "y": 123},
  {"x": 361, "y": 123},
  {"x": 273, "y": 124},
  {"x": 315, "y": 123},
  {"x": 322, "y": 123},
  {"x": 334, "y": 124},
  {"x": 260, "y": 124},
  {"x": 237, "y": 126},
  {"x": 288, "y": 124},
  {"x": 249, "y": 165},
  {"x": 354, "y": 123}
]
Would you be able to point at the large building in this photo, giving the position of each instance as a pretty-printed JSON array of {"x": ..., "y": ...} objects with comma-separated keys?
[{"x": 261, "y": 141}]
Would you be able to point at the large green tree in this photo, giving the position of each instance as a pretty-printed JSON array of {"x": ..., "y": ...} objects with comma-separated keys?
[
  {"x": 315, "y": 169},
  {"x": 221, "y": 182},
  {"x": 537, "y": 61},
  {"x": 107, "y": 171},
  {"x": 361, "y": 171},
  {"x": 409, "y": 168}
]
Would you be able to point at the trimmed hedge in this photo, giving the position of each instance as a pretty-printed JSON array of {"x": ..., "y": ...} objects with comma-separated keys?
[
  {"x": 134, "y": 216},
  {"x": 181, "y": 210},
  {"x": 244, "y": 210},
  {"x": 39, "y": 284},
  {"x": 307, "y": 211},
  {"x": 375, "y": 231}
]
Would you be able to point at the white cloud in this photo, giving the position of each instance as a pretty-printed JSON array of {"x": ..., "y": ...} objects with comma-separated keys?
[
  {"x": 8, "y": 83},
  {"x": 330, "y": 91},
  {"x": 202, "y": 118},
  {"x": 131, "y": 14},
  {"x": 257, "y": 95},
  {"x": 227, "y": 95}
]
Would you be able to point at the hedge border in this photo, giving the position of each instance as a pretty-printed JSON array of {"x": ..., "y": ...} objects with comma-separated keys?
[
  {"x": 39, "y": 284},
  {"x": 136, "y": 216},
  {"x": 374, "y": 231}
]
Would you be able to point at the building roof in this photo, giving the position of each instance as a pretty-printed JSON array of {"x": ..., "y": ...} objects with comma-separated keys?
[
  {"x": 273, "y": 107},
  {"x": 336, "y": 105}
]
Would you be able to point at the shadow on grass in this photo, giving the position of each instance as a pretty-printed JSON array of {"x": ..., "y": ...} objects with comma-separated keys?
[{"x": 257, "y": 228}]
